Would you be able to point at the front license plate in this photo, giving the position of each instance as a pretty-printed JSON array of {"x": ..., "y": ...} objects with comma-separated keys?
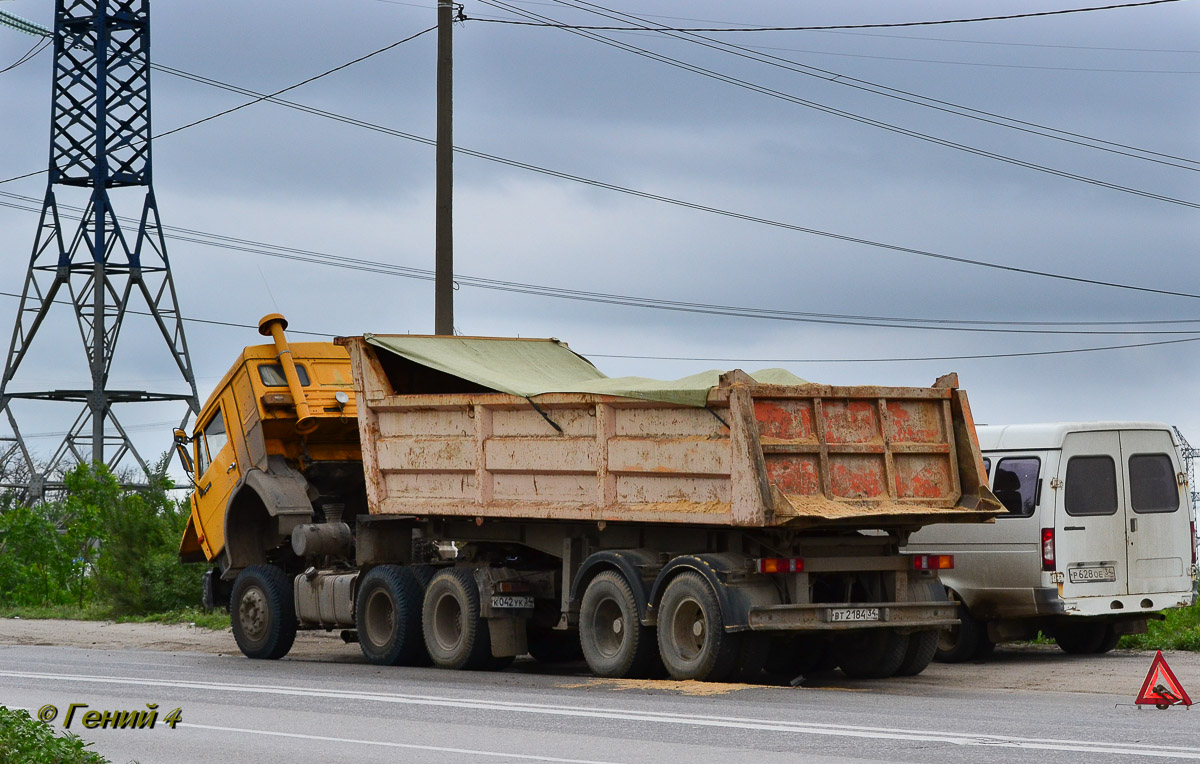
[
  {"x": 854, "y": 614},
  {"x": 1093, "y": 574},
  {"x": 509, "y": 601}
]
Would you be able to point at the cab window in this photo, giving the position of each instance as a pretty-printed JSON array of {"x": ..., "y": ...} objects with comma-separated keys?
[
  {"x": 1091, "y": 486},
  {"x": 212, "y": 441},
  {"x": 987, "y": 466},
  {"x": 1152, "y": 483},
  {"x": 272, "y": 375},
  {"x": 1016, "y": 484}
]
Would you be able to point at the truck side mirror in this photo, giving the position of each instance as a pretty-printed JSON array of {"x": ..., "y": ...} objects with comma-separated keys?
[{"x": 181, "y": 441}]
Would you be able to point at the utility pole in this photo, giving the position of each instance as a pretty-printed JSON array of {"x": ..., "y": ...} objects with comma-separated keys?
[{"x": 443, "y": 289}]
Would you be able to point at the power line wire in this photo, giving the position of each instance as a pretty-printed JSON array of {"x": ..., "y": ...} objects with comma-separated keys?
[
  {"x": 880, "y": 124},
  {"x": 290, "y": 253},
  {"x": 886, "y": 91},
  {"x": 31, "y": 54},
  {"x": 828, "y": 27}
]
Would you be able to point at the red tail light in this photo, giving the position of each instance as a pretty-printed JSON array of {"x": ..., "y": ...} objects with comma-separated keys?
[
  {"x": 1048, "y": 549},
  {"x": 933, "y": 562},
  {"x": 779, "y": 565}
]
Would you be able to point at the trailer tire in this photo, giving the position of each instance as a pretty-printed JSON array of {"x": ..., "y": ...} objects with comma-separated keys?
[
  {"x": 615, "y": 644},
  {"x": 692, "y": 639},
  {"x": 1080, "y": 638},
  {"x": 387, "y": 614},
  {"x": 922, "y": 644},
  {"x": 547, "y": 645},
  {"x": 263, "y": 612},
  {"x": 872, "y": 654},
  {"x": 789, "y": 657},
  {"x": 963, "y": 642},
  {"x": 455, "y": 635}
]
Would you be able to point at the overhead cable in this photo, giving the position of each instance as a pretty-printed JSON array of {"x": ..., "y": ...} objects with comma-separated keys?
[{"x": 827, "y": 27}]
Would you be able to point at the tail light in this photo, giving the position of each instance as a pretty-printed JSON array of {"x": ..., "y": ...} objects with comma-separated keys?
[
  {"x": 1048, "y": 549},
  {"x": 779, "y": 565},
  {"x": 933, "y": 562}
]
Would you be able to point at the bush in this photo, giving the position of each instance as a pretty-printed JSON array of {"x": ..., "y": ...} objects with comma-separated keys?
[
  {"x": 24, "y": 740},
  {"x": 100, "y": 544}
]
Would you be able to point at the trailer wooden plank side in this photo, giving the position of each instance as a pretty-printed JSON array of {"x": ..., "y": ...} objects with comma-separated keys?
[{"x": 755, "y": 456}]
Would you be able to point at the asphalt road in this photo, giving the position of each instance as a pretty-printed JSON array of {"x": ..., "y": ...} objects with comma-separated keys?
[{"x": 235, "y": 709}]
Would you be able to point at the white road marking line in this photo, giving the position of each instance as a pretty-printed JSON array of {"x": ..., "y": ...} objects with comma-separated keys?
[
  {"x": 386, "y": 744},
  {"x": 659, "y": 717}
]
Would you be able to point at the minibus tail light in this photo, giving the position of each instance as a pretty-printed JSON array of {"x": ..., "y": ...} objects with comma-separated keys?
[{"x": 1048, "y": 549}]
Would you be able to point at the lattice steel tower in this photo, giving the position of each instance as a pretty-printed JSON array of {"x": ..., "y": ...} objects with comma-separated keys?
[{"x": 100, "y": 140}]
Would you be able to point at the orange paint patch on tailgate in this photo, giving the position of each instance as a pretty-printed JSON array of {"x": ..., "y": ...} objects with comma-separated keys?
[
  {"x": 784, "y": 420},
  {"x": 794, "y": 474}
]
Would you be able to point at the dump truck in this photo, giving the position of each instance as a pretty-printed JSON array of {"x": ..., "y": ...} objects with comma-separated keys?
[{"x": 463, "y": 501}]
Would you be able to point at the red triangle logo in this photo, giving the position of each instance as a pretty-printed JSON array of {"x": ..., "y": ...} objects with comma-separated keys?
[{"x": 1161, "y": 688}]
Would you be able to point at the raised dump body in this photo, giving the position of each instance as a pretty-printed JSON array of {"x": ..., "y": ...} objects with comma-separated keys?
[
  {"x": 504, "y": 497},
  {"x": 750, "y": 455}
]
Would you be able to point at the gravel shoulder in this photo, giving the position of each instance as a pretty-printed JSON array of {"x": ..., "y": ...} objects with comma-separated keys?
[{"x": 1025, "y": 667}]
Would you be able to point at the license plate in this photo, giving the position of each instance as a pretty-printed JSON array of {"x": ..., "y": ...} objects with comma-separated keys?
[
  {"x": 509, "y": 601},
  {"x": 1093, "y": 574},
  {"x": 854, "y": 614}
]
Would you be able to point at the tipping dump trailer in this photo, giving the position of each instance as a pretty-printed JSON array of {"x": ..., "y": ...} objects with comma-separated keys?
[{"x": 463, "y": 501}]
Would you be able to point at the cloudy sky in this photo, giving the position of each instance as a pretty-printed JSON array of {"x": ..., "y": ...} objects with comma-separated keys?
[{"x": 790, "y": 128}]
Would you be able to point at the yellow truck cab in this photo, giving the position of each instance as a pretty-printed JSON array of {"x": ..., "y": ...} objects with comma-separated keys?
[{"x": 257, "y": 457}]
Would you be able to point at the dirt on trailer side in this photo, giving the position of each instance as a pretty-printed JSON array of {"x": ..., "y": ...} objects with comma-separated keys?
[{"x": 1024, "y": 667}]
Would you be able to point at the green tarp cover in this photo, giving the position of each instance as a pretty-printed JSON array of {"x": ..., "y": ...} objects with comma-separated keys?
[{"x": 533, "y": 367}]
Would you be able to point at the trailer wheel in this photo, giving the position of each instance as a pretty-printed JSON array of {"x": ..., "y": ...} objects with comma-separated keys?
[
  {"x": 1080, "y": 638},
  {"x": 922, "y": 644},
  {"x": 614, "y": 642},
  {"x": 691, "y": 632},
  {"x": 263, "y": 612},
  {"x": 455, "y": 635},
  {"x": 872, "y": 654},
  {"x": 387, "y": 614},
  {"x": 791, "y": 656},
  {"x": 963, "y": 642}
]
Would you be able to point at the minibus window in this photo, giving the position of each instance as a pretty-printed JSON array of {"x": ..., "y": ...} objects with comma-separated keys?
[
  {"x": 1015, "y": 485},
  {"x": 1091, "y": 486},
  {"x": 1152, "y": 486}
]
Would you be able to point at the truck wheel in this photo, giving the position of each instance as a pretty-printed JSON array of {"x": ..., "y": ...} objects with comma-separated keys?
[
  {"x": 922, "y": 644},
  {"x": 614, "y": 642},
  {"x": 963, "y": 642},
  {"x": 1080, "y": 638},
  {"x": 455, "y": 636},
  {"x": 791, "y": 656},
  {"x": 872, "y": 654},
  {"x": 548, "y": 645},
  {"x": 263, "y": 612},
  {"x": 1109, "y": 642},
  {"x": 387, "y": 614},
  {"x": 692, "y": 639}
]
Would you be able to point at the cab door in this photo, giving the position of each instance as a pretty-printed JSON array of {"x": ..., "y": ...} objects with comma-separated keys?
[
  {"x": 217, "y": 471},
  {"x": 1089, "y": 516},
  {"x": 1158, "y": 528}
]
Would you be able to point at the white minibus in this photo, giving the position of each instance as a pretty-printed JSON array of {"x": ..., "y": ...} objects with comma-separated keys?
[{"x": 1098, "y": 537}]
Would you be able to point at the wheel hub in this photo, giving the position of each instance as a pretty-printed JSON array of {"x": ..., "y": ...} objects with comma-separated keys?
[{"x": 252, "y": 612}]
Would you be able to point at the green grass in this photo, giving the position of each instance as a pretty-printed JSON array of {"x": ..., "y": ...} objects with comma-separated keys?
[
  {"x": 218, "y": 620},
  {"x": 24, "y": 740},
  {"x": 1180, "y": 631}
]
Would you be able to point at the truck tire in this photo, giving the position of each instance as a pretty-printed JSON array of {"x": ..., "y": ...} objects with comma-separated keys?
[
  {"x": 1080, "y": 638},
  {"x": 455, "y": 636},
  {"x": 547, "y": 645},
  {"x": 263, "y": 612},
  {"x": 692, "y": 639},
  {"x": 1109, "y": 642},
  {"x": 789, "y": 657},
  {"x": 963, "y": 642},
  {"x": 387, "y": 614},
  {"x": 871, "y": 654},
  {"x": 614, "y": 642},
  {"x": 921, "y": 644}
]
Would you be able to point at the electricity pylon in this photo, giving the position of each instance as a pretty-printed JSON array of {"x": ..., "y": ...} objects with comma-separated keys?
[{"x": 99, "y": 140}]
